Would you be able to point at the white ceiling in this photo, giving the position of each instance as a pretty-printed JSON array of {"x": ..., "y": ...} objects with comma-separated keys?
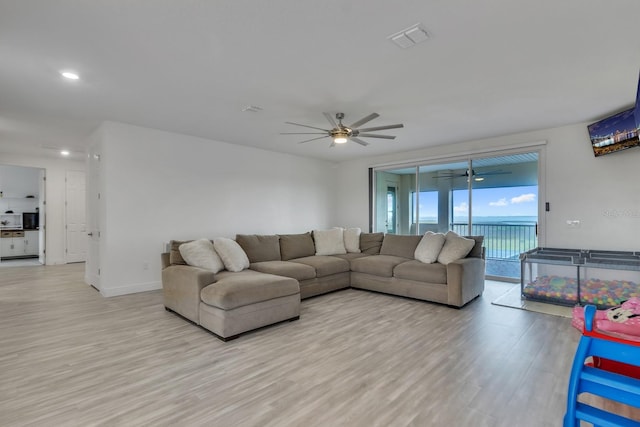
[{"x": 490, "y": 67}]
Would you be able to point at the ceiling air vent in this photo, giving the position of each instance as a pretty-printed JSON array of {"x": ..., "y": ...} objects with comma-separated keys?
[{"x": 410, "y": 36}]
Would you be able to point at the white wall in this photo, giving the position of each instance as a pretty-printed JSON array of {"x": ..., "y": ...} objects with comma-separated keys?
[
  {"x": 602, "y": 193},
  {"x": 55, "y": 196},
  {"x": 159, "y": 186}
]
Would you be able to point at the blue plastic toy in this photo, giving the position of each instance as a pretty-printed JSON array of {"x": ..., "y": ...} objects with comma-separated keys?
[{"x": 601, "y": 382}]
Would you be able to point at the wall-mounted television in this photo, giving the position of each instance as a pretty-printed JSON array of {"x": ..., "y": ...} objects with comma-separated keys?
[{"x": 617, "y": 132}]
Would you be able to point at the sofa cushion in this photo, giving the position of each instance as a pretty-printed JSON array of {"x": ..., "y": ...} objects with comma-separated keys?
[
  {"x": 455, "y": 247},
  {"x": 378, "y": 265},
  {"x": 260, "y": 248},
  {"x": 421, "y": 272},
  {"x": 233, "y": 290},
  {"x": 370, "y": 243},
  {"x": 329, "y": 242},
  {"x": 476, "y": 251},
  {"x": 231, "y": 253},
  {"x": 398, "y": 245},
  {"x": 174, "y": 252},
  {"x": 350, "y": 256},
  {"x": 296, "y": 246},
  {"x": 352, "y": 240},
  {"x": 200, "y": 253},
  {"x": 429, "y": 247},
  {"x": 285, "y": 268},
  {"x": 324, "y": 265}
]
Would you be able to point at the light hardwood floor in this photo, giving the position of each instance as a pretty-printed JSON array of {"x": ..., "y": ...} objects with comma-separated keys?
[{"x": 69, "y": 357}]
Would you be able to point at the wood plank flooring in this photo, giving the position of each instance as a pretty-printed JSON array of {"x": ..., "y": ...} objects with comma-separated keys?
[{"x": 69, "y": 357}]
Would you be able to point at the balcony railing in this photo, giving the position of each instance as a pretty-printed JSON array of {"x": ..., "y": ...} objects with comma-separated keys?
[{"x": 503, "y": 243}]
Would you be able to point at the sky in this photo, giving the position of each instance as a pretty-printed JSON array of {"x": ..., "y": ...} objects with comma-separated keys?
[{"x": 505, "y": 201}]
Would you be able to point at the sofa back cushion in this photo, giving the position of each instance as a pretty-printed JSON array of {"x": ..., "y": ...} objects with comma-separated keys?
[
  {"x": 398, "y": 245},
  {"x": 476, "y": 251},
  {"x": 296, "y": 246},
  {"x": 175, "y": 258},
  {"x": 260, "y": 248},
  {"x": 370, "y": 243}
]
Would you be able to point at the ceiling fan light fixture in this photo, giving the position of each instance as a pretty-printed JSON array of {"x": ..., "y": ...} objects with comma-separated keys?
[{"x": 340, "y": 139}]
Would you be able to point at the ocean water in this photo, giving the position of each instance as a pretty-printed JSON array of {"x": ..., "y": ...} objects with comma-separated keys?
[{"x": 516, "y": 220}]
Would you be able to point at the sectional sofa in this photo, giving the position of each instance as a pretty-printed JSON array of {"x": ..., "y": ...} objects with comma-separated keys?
[{"x": 283, "y": 269}]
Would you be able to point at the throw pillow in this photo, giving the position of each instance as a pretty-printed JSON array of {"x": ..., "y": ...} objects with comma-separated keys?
[
  {"x": 455, "y": 247},
  {"x": 429, "y": 247},
  {"x": 200, "y": 253},
  {"x": 352, "y": 239},
  {"x": 329, "y": 242},
  {"x": 231, "y": 253}
]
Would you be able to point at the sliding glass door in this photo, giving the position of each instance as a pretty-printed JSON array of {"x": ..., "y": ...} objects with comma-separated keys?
[{"x": 496, "y": 197}]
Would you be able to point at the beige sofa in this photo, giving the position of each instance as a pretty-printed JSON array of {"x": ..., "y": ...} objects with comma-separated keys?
[{"x": 284, "y": 269}]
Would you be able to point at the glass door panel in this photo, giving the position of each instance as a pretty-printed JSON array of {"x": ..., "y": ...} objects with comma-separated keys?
[
  {"x": 393, "y": 204},
  {"x": 504, "y": 203}
]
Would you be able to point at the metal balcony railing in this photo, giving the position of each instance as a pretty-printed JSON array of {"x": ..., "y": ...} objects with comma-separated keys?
[{"x": 502, "y": 241}]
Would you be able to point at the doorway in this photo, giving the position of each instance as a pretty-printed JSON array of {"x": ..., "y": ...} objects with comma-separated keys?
[
  {"x": 22, "y": 196},
  {"x": 392, "y": 209}
]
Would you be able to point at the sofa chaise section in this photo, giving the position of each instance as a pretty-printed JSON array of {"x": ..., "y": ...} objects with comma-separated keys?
[
  {"x": 247, "y": 300},
  {"x": 227, "y": 303}
]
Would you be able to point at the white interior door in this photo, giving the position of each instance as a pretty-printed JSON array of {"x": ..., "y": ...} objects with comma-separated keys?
[
  {"x": 92, "y": 268},
  {"x": 42, "y": 217},
  {"x": 76, "y": 227}
]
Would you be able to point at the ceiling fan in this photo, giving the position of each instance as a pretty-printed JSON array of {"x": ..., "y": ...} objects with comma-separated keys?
[
  {"x": 477, "y": 176},
  {"x": 340, "y": 133}
]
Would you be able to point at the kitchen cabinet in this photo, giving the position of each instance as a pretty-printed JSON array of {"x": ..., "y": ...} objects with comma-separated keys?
[
  {"x": 31, "y": 241},
  {"x": 12, "y": 244}
]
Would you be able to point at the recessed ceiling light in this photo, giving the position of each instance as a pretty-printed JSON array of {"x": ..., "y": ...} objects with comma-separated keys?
[
  {"x": 64, "y": 153},
  {"x": 69, "y": 75}
]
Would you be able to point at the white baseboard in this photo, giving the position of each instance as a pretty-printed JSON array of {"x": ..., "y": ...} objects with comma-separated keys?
[{"x": 130, "y": 289}]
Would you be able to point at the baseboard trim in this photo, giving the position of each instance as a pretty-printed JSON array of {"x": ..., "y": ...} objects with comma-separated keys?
[{"x": 129, "y": 289}]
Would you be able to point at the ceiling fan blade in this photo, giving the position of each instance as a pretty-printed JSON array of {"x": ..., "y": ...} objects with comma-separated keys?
[
  {"x": 365, "y": 120},
  {"x": 373, "y": 135},
  {"x": 400, "y": 125},
  {"x": 330, "y": 119},
  {"x": 333, "y": 144},
  {"x": 493, "y": 173},
  {"x": 312, "y": 127},
  {"x": 303, "y": 133},
  {"x": 313, "y": 139},
  {"x": 359, "y": 141}
]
